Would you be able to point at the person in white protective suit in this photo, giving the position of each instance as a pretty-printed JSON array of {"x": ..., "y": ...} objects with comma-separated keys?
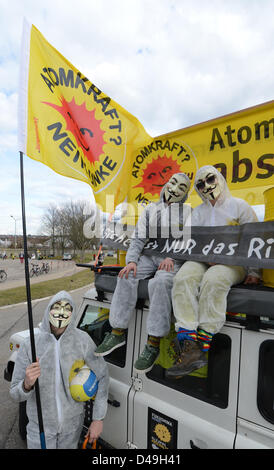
[
  {"x": 162, "y": 218},
  {"x": 199, "y": 294},
  {"x": 60, "y": 349}
]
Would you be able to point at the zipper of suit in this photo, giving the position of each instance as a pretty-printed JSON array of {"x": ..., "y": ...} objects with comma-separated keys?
[
  {"x": 57, "y": 383},
  {"x": 213, "y": 216}
]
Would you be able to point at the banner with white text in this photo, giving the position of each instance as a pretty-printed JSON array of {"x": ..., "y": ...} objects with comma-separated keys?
[{"x": 250, "y": 245}]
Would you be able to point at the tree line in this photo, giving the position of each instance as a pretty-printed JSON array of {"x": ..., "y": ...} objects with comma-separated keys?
[{"x": 64, "y": 225}]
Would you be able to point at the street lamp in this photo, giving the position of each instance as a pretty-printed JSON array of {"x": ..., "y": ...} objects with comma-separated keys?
[{"x": 15, "y": 244}]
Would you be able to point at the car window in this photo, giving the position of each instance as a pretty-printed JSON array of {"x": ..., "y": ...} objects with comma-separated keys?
[
  {"x": 210, "y": 383},
  {"x": 265, "y": 390},
  {"x": 95, "y": 322}
]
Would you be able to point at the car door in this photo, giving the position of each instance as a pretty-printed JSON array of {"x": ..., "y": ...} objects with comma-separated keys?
[
  {"x": 197, "y": 411},
  {"x": 93, "y": 319},
  {"x": 255, "y": 427}
]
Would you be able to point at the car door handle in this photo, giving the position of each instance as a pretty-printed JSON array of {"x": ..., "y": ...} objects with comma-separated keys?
[{"x": 114, "y": 403}]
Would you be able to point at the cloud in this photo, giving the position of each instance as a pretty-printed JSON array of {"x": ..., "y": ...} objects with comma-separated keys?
[{"x": 8, "y": 114}]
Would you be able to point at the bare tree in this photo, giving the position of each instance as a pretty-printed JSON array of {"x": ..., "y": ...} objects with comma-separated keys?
[
  {"x": 50, "y": 223},
  {"x": 75, "y": 216},
  {"x": 65, "y": 226},
  {"x": 63, "y": 229}
]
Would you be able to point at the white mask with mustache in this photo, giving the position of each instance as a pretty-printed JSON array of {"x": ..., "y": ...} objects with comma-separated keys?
[
  {"x": 176, "y": 188},
  {"x": 208, "y": 185},
  {"x": 60, "y": 314}
]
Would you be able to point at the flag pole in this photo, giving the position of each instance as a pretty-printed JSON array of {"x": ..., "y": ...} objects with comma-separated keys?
[{"x": 30, "y": 317}]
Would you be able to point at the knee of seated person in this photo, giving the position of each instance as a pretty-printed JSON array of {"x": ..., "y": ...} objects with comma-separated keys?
[
  {"x": 215, "y": 274},
  {"x": 124, "y": 279},
  {"x": 214, "y": 279},
  {"x": 160, "y": 280},
  {"x": 161, "y": 275},
  {"x": 190, "y": 271}
]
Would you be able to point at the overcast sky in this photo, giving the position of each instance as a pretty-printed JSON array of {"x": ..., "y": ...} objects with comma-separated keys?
[{"x": 170, "y": 63}]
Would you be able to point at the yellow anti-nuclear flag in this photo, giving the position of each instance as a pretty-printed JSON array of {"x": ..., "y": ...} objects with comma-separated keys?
[
  {"x": 70, "y": 125},
  {"x": 240, "y": 145}
]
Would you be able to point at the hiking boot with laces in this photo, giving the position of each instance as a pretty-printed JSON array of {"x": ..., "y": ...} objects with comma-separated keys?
[
  {"x": 110, "y": 342},
  {"x": 146, "y": 360},
  {"x": 189, "y": 358}
]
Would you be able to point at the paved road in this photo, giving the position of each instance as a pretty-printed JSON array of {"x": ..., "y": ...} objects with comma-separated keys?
[
  {"x": 13, "y": 319},
  {"x": 16, "y": 272}
]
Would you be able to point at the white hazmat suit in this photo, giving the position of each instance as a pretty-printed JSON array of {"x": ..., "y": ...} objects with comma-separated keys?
[
  {"x": 62, "y": 416},
  {"x": 157, "y": 219},
  {"x": 200, "y": 290}
]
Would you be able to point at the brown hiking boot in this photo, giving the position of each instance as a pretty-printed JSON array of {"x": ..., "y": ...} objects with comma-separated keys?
[{"x": 189, "y": 358}]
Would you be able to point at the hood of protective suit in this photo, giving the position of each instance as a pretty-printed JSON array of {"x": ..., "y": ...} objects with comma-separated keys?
[
  {"x": 158, "y": 220},
  {"x": 188, "y": 183},
  {"x": 225, "y": 194},
  {"x": 62, "y": 295}
]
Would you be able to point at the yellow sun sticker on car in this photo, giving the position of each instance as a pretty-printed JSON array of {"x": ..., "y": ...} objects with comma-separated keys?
[{"x": 162, "y": 432}]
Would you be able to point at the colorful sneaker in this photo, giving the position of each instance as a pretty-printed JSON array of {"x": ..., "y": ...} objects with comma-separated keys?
[
  {"x": 189, "y": 358},
  {"x": 110, "y": 342},
  {"x": 146, "y": 360}
]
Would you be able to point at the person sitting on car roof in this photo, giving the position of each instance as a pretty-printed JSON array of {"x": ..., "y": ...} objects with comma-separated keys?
[
  {"x": 200, "y": 289},
  {"x": 158, "y": 217}
]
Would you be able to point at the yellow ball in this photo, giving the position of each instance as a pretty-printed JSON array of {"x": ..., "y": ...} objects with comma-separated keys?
[{"x": 84, "y": 385}]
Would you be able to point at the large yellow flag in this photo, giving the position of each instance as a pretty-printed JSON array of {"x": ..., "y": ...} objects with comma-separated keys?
[
  {"x": 240, "y": 145},
  {"x": 70, "y": 125}
]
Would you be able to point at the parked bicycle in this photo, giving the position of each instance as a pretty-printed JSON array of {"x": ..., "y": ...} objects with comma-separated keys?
[
  {"x": 3, "y": 275},
  {"x": 45, "y": 268},
  {"x": 35, "y": 270}
]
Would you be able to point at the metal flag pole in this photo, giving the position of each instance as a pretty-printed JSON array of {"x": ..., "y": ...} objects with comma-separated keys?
[{"x": 30, "y": 317}]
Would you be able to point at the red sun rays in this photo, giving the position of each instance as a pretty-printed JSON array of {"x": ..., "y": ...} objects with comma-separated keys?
[
  {"x": 157, "y": 174},
  {"x": 84, "y": 126}
]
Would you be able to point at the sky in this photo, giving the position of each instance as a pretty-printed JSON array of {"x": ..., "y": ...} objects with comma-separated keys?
[{"x": 170, "y": 63}]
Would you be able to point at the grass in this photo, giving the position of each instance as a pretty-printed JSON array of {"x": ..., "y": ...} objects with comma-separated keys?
[{"x": 47, "y": 288}]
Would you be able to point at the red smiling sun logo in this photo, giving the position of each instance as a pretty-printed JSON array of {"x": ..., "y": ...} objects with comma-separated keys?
[
  {"x": 157, "y": 174},
  {"x": 84, "y": 126}
]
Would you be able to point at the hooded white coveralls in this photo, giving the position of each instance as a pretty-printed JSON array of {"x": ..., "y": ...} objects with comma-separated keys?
[
  {"x": 200, "y": 292},
  {"x": 157, "y": 218},
  {"x": 62, "y": 416}
]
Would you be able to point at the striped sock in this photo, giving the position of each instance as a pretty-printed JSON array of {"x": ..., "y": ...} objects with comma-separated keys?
[
  {"x": 153, "y": 341},
  {"x": 205, "y": 339},
  {"x": 183, "y": 334},
  {"x": 118, "y": 331}
]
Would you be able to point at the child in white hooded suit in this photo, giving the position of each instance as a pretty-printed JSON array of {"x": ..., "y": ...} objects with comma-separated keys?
[
  {"x": 200, "y": 290},
  {"x": 60, "y": 347},
  {"x": 161, "y": 217}
]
